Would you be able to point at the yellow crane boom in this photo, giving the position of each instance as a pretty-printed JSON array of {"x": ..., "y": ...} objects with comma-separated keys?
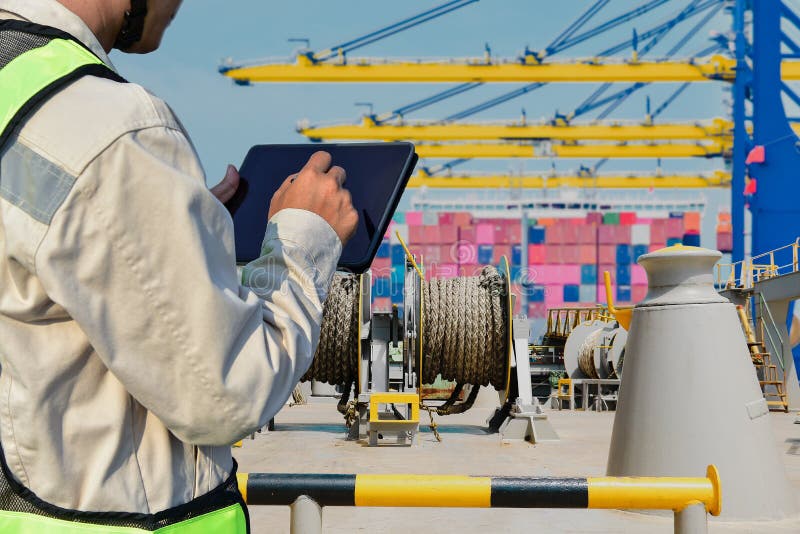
[
  {"x": 705, "y": 130},
  {"x": 511, "y": 150},
  {"x": 610, "y": 181},
  {"x": 367, "y": 70}
]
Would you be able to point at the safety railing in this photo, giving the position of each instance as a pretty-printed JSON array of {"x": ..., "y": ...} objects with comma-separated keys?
[
  {"x": 691, "y": 499},
  {"x": 561, "y": 321},
  {"x": 744, "y": 274}
]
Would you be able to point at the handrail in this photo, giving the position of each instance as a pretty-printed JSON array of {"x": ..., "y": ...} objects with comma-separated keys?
[
  {"x": 689, "y": 498},
  {"x": 753, "y": 270},
  {"x": 762, "y": 303}
]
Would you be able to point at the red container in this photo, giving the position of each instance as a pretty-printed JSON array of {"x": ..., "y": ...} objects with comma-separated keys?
[
  {"x": 552, "y": 254},
  {"x": 627, "y": 217},
  {"x": 514, "y": 233},
  {"x": 657, "y": 246},
  {"x": 674, "y": 228},
  {"x": 570, "y": 254},
  {"x": 500, "y": 251},
  {"x": 587, "y": 254},
  {"x": 467, "y": 233},
  {"x": 612, "y": 270},
  {"x": 569, "y": 234},
  {"x": 658, "y": 231},
  {"x": 381, "y": 267},
  {"x": 446, "y": 217},
  {"x": 462, "y": 218},
  {"x": 606, "y": 234},
  {"x": 607, "y": 254},
  {"x": 448, "y": 234},
  {"x": 587, "y": 234},
  {"x": 691, "y": 221},
  {"x": 594, "y": 218},
  {"x": 725, "y": 242},
  {"x": 553, "y": 234},
  {"x": 416, "y": 235},
  {"x": 451, "y": 253},
  {"x": 622, "y": 234},
  {"x": 536, "y": 254}
]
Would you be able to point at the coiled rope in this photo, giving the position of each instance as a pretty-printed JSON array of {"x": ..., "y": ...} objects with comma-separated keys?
[
  {"x": 586, "y": 353},
  {"x": 465, "y": 330}
]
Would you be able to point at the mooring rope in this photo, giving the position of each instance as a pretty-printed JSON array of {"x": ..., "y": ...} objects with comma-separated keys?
[
  {"x": 465, "y": 332},
  {"x": 586, "y": 353}
]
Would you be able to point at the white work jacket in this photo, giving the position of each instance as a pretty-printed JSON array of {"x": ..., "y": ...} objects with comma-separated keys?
[{"x": 132, "y": 353}]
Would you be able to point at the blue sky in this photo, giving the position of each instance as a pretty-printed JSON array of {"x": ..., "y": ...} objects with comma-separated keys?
[{"x": 224, "y": 120}]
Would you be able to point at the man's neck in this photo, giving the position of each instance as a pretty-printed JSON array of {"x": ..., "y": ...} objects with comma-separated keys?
[{"x": 103, "y": 17}]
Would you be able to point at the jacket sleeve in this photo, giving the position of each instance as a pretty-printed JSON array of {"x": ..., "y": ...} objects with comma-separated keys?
[{"x": 140, "y": 254}]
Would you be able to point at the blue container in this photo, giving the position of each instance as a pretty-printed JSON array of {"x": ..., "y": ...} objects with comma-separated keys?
[
  {"x": 572, "y": 293},
  {"x": 382, "y": 287},
  {"x": 691, "y": 240},
  {"x": 397, "y": 296},
  {"x": 536, "y": 235},
  {"x": 516, "y": 255},
  {"x": 516, "y": 274},
  {"x": 624, "y": 293},
  {"x": 676, "y": 215},
  {"x": 624, "y": 254},
  {"x": 398, "y": 276},
  {"x": 383, "y": 250},
  {"x": 639, "y": 250},
  {"x": 399, "y": 217},
  {"x": 673, "y": 241},
  {"x": 623, "y": 275},
  {"x": 535, "y": 293},
  {"x": 485, "y": 254},
  {"x": 588, "y": 274},
  {"x": 398, "y": 255}
]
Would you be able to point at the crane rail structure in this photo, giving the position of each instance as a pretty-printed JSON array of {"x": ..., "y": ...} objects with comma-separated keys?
[
  {"x": 600, "y": 131},
  {"x": 551, "y": 150},
  {"x": 604, "y": 181},
  {"x": 375, "y": 70}
]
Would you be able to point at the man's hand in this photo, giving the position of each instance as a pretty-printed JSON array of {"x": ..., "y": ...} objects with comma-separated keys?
[
  {"x": 318, "y": 188},
  {"x": 225, "y": 190}
]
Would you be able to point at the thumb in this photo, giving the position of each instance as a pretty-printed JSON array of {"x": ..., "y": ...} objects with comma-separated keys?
[{"x": 228, "y": 186}]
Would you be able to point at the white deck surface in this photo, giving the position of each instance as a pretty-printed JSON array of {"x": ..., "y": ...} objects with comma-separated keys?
[{"x": 310, "y": 439}]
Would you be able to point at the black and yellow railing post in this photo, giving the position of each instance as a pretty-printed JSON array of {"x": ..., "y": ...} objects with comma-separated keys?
[{"x": 690, "y": 498}]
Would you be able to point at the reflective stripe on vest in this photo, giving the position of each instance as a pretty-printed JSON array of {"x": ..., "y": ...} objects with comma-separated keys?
[{"x": 35, "y": 63}]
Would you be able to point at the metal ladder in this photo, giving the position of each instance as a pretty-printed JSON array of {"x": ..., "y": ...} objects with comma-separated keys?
[{"x": 766, "y": 371}]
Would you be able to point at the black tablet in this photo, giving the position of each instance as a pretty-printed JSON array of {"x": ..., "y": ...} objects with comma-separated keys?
[{"x": 377, "y": 174}]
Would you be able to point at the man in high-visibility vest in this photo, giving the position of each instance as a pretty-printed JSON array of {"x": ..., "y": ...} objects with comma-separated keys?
[{"x": 132, "y": 354}]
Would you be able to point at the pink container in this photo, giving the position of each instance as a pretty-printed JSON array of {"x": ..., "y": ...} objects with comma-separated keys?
[
  {"x": 569, "y": 234},
  {"x": 462, "y": 218},
  {"x": 469, "y": 269},
  {"x": 484, "y": 234},
  {"x": 725, "y": 241},
  {"x": 606, "y": 234},
  {"x": 569, "y": 274},
  {"x": 607, "y": 254},
  {"x": 622, "y": 234},
  {"x": 514, "y": 233},
  {"x": 612, "y": 270},
  {"x": 501, "y": 236},
  {"x": 431, "y": 254},
  {"x": 578, "y": 221},
  {"x": 570, "y": 254},
  {"x": 543, "y": 274},
  {"x": 658, "y": 232},
  {"x": 446, "y": 270},
  {"x": 381, "y": 267},
  {"x": 414, "y": 218},
  {"x": 657, "y": 246},
  {"x": 674, "y": 228},
  {"x": 587, "y": 234},
  {"x": 467, "y": 233},
  {"x": 382, "y": 304},
  {"x": 447, "y": 218},
  {"x": 553, "y": 234},
  {"x": 587, "y": 254},
  {"x": 537, "y": 310},
  {"x": 554, "y": 295},
  {"x": 501, "y": 251},
  {"x": 462, "y": 252},
  {"x": 448, "y": 234},
  {"x": 601, "y": 293},
  {"x": 536, "y": 254},
  {"x": 638, "y": 276},
  {"x": 416, "y": 235},
  {"x": 638, "y": 292},
  {"x": 552, "y": 254}
]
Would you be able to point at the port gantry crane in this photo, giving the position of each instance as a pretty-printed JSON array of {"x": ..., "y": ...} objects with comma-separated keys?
[{"x": 759, "y": 72}]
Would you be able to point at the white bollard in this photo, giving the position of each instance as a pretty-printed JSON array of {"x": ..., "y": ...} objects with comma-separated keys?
[
  {"x": 306, "y": 516},
  {"x": 692, "y": 520}
]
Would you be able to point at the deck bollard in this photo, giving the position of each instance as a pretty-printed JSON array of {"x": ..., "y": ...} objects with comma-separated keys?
[
  {"x": 306, "y": 516},
  {"x": 692, "y": 520}
]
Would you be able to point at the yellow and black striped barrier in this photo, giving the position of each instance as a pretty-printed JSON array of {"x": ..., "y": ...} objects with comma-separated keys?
[{"x": 449, "y": 491}]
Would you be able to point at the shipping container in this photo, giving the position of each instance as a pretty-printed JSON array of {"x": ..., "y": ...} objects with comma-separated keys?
[
  {"x": 611, "y": 218},
  {"x": 536, "y": 235},
  {"x": 536, "y": 254},
  {"x": 624, "y": 254},
  {"x": 572, "y": 293},
  {"x": 588, "y": 293},
  {"x": 588, "y": 274}
]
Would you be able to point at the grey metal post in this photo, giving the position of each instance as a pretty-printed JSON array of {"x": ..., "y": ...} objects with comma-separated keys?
[
  {"x": 306, "y": 516},
  {"x": 692, "y": 520}
]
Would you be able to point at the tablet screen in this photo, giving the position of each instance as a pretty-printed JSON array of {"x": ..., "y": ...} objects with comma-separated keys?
[{"x": 377, "y": 174}]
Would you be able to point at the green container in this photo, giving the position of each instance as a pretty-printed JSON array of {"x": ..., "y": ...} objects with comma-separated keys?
[
  {"x": 611, "y": 218},
  {"x": 399, "y": 217}
]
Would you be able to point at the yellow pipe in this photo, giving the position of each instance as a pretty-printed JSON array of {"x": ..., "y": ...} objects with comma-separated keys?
[
  {"x": 648, "y": 493},
  {"x": 718, "y": 179},
  {"x": 622, "y": 315},
  {"x": 358, "y": 70},
  {"x": 493, "y": 132},
  {"x": 441, "y": 491},
  {"x": 241, "y": 481}
]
